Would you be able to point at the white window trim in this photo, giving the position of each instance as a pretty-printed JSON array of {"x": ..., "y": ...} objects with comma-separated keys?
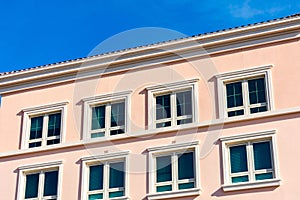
[
  {"x": 249, "y": 73},
  {"x": 108, "y": 157},
  {"x": 166, "y": 150},
  {"x": 23, "y": 170},
  {"x": 236, "y": 139},
  {"x": 172, "y": 87},
  {"x": 41, "y": 110},
  {"x": 104, "y": 99}
]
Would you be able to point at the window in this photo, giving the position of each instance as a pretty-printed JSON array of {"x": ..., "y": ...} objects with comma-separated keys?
[
  {"x": 250, "y": 160},
  {"x": 172, "y": 104},
  {"x": 174, "y": 171},
  {"x": 106, "y": 115},
  {"x": 44, "y": 125},
  {"x": 39, "y": 182},
  {"x": 105, "y": 177},
  {"x": 244, "y": 92}
]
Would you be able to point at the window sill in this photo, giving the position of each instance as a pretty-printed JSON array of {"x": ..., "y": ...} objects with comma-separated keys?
[
  {"x": 119, "y": 198},
  {"x": 252, "y": 185},
  {"x": 174, "y": 194}
]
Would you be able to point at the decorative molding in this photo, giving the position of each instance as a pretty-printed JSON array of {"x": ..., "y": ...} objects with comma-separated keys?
[
  {"x": 107, "y": 97},
  {"x": 41, "y": 165},
  {"x": 44, "y": 108},
  {"x": 175, "y": 194},
  {"x": 248, "y": 135},
  {"x": 173, "y": 85},
  {"x": 106, "y": 156},
  {"x": 173, "y": 147},
  {"x": 251, "y": 185},
  {"x": 243, "y": 72}
]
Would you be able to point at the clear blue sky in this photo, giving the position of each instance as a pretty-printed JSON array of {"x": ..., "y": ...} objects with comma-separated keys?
[{"x": 37, "y": 32}]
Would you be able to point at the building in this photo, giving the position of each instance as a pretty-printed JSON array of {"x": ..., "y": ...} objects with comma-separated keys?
[{"x": 213, "y": 116}]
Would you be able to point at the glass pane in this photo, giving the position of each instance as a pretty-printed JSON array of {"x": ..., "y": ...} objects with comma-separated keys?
[
  {"x": 32, "y": 185},
  {"x": 186, "y": 166},
  {"x": 184, "y": 103},
  {"x": 54, "y": 124},
  {"x": 262, "y": 155},
  {"x": 163, "y": 169},
  {"x": 264, "y": 176},
  {"x": 240, "y": 179},
  {"x": 234, "y": 94},
  {"x": 96, "y": 177},
  {"x": 116, "y": 194},
  {"x": 258, "y": 109},
  {"x": 235, "y": 113},
  {"x": 163, "y": 124},
  {"x": 163, "y": 107},
  {"x": 50, "y": 185},
  {"x": 116, "y": 175},
  {"x": 95, "y": 135},
  {"x": 55, "y": 141},
  {"x": 163, "y": 188},
  {"x": 98, "y": 117},
  {"x": 35, "y": 144},
  {"x": 95, "y": 196},
  {"x": 238, "y": 159},
  {"x": 186, "y": 186},
  {"x": 116, "y": 132},
  {"x": 117, "y": 114},
  {"x": 36, "y": 127},
  {"x": 257, "y": 92},
  {"x": 184, "y": 121}
]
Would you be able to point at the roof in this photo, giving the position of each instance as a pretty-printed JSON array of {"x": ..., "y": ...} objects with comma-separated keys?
[{"x": 155, "y": 44}]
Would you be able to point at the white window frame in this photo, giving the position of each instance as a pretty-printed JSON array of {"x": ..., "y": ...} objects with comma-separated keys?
[
  {"x": 243, "y": 76},
  {"x": 44, "y": 111},
  {"x": 105, "y": 159},
  {"x": 173, "y": 149},
  {"x": 106, "y": 99},
  {"x": 39, "y": 168},
  {"x": 172, "y": 88},
  {"x": 229, "y": 141}
]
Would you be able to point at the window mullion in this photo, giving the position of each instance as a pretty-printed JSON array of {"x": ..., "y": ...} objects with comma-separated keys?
[
  {"x": 106, "y": 180},
  {"x": 174, "y": 172},
  {"x": 45, "y": 129},
  {"x": 246, "y": 97},
  {"x": 173, "y": 109},
  {"x": 250, "y": 161},
  {"x": 107, "y": 118},
  {"x": 41, "y": 185}
]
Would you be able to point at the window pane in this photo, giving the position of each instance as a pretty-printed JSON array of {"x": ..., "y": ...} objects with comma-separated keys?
[
  {"x": 164, "y": 188},
  {"x": 50, "y": 184},
  {"x": 99, "y": 134},
  {"x": 35, "y": 144},
  {"x": 262, "y": 155},
  {"x": 54, "y": 124},
  {"x": 186, "y": 166},
  {"x": 116, "y": 132},
  {"x": 95, "y": 196},
  {"x": 184, "y": 121},
  {"x": 96, "y": 177},
  {"x": 184, "y": 103},
  {"x": 116, "y": 175},
  {"x": 258, "y": 109},
  {"x": 186, "y": 186},
  {"x": 234, "y": 94},
  {"x": 240, "y": 179},
  {"x": 235, "y": 113},
  {"x": 163, "y": 124},
  {"x": 98, "y": 117},
  {"x": 36, "y": 127},
  {"x": 32, "y": 184},
  {"x": 257, "y": 92},
  {"x": 163, "y": 109},
  {"x": 55, "y": 141},
  {"x": 163, "y": 169},
  {"x": 238, "y": 159},
  {"x": 264, "y": 176},
  {"x": 116, "y": 194},
  {"x": 117, "y": 114}
]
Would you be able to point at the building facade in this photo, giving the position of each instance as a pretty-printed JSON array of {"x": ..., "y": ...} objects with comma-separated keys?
[{"x": 213, "y": 116}]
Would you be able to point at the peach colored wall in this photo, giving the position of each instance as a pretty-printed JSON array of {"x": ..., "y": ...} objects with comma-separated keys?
[{"x": 286, "y": 95}]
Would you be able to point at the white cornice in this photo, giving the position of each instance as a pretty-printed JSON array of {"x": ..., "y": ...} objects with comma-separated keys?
[{"x": 279, "y": 30}]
